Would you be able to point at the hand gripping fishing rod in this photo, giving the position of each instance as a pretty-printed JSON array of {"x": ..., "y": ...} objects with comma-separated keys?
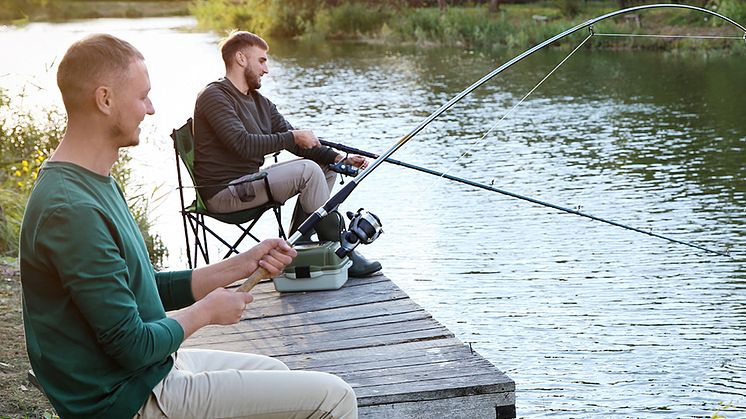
[{"x": 345, "y": 192}]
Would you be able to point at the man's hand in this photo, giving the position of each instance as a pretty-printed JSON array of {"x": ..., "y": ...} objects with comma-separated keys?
[
  {"x": 224, "y": 307},
  {"x": 353, "y": 160},
  {"x": 272, "y": 255},
  {"x": 305, "y": 138},
  {"x": 215, "y": 304}
]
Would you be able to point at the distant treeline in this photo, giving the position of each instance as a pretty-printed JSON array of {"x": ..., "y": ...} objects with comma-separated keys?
[
  {"x": 25, "y": 10},
  {"x": 482, "y": 24}
]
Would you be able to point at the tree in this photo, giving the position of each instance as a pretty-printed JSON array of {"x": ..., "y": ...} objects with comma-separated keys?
[{"x": 494, "y": 6}]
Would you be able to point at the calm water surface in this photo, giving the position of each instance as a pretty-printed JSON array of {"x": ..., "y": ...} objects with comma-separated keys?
[{"x": 588, "y": 319}]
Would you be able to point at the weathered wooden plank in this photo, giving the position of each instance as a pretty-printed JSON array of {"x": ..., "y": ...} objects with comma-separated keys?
[
  {"x": 468, "y": 374},
  {"x": 370, "y": 359},
  {"x": 469, "y": 407},
  {"x": 386, "y": 311},
  {"x": 429, "y": 389},
  {"x": 301, "y": 345},
  {"x": 266, "y": 289},
  {"x": 324, "y": 300},
  {"x": 422, "y": 347},
  {"x": 267, "y": 285},
  {"x": 403, "y": 374},
  {"x": 345, "y": 329}
]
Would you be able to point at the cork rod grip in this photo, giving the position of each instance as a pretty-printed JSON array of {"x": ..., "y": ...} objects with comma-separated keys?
[{"x": 254, "y": 279}]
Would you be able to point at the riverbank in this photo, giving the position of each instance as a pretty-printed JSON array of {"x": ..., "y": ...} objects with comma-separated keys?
[
  {"x": 18, "y": 12},
  {"x": 19, "y": 398},
  {"x": 513, "y": 26}
]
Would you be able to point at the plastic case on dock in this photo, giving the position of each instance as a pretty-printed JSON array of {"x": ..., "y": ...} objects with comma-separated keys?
[{"x": 315, "y": 268}]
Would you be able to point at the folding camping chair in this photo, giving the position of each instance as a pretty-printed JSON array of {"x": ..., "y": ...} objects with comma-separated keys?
[{"x": 193, "y": 216}]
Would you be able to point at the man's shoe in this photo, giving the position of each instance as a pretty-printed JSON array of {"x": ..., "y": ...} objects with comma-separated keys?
[{"x": 361, "y": 267}]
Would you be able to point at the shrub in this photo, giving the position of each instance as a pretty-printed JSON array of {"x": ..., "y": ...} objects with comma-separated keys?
[
  {"x": 734, "y": 9},
  {"x": 286, "y": 18},
  {"x": 350, "y": 20},
  {"x": 569, "y": 8},
  {"x": 28, "y": 140}
]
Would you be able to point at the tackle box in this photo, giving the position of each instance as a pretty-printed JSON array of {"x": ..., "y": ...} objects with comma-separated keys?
[{"x": 315, "y": 268}]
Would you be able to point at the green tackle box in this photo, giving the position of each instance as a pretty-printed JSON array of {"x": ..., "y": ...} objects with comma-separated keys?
[{"x": 315, "y": 268}]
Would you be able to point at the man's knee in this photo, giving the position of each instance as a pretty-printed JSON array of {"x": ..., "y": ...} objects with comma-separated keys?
[
  {"x": 344, "y": 400},
  {"x": 276, "y": 364},
  {"x": 311, "y": 171}
]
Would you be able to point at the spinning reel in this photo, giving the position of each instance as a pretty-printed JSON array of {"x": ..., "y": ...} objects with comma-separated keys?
[
  {"x": 364, "y": 228},
  {"x": 344, "y": 168}
]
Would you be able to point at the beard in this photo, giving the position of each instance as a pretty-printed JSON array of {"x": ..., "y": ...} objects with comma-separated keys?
[
  {"x": 124, "y": 140},
  {"x": 254, "y": 81}
]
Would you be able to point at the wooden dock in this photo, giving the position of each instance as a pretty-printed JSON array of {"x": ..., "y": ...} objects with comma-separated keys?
[{"x": 400, "y": 361}]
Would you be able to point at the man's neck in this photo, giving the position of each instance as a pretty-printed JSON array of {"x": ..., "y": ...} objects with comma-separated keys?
[
  {"x": 87, "y": 149},
  {"x": 238, "y": 81}
]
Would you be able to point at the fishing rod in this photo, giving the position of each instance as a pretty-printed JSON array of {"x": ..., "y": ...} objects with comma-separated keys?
[
  {"x": 348, "y": 149},
  {"x": 367, "y": 223}
]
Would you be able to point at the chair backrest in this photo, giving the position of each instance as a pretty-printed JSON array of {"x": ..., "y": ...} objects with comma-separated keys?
[{"x": 184, "y": 145}]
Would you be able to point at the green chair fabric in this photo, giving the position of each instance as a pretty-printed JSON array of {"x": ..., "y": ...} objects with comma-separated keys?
[{"x": 193, "y": 215}]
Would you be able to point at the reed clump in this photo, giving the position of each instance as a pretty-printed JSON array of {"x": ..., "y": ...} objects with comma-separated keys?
[{"x": 28, "y": 139}]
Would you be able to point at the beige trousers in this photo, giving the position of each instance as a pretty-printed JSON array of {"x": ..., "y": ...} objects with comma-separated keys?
[
  {"x": 301, "y": 177},
  {"x": 207, "y": 384}
]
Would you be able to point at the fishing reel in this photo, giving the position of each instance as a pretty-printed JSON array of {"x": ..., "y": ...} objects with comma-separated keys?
[
  {"x": 364, "y": 228},
  {"x": 344, "y": 168}
]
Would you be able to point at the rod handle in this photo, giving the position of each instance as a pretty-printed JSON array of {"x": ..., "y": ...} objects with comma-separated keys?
[{"x": 254, "y": 279}]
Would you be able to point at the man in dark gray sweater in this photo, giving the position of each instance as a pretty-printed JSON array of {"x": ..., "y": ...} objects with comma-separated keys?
[{"x": 235, "y": 127}]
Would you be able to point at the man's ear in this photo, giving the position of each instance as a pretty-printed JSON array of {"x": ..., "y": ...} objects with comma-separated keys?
[
  {"x": 103, "y": 99},
  {"x": 240, "y": 58}
]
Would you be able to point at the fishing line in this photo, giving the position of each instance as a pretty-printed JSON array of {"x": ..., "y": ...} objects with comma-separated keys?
[
  {"x": 511, "y": 110},
  {"x": 491, "y": 188},
  {"x": 639, "y": 35}
]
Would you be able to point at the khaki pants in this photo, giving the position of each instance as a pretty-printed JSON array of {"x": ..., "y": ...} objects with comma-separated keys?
[
  {"x": 295, "y": 177},
  {"x": 216, "y": 384}
]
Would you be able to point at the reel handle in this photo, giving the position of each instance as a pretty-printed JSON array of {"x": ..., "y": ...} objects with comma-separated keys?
[{"x": 254, "y": 279}]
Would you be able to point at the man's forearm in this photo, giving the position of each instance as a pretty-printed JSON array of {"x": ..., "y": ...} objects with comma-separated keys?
[
  {"x": 220, "y": 274},
  {"x": 192, "y": 319}
]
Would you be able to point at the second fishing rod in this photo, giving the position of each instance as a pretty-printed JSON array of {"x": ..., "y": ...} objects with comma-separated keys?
[{"x": 348, "y": 149}]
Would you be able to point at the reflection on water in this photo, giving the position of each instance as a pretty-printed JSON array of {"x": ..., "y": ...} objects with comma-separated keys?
[{"x": 588, "y": 319}]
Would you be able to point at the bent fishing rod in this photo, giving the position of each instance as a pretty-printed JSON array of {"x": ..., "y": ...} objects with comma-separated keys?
[
  {"x": 366, "y": 223},
  {"x": 348, "y": 149}
]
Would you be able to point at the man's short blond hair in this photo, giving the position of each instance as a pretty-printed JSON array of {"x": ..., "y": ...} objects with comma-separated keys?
[
  {"x": 237, "y": 40},
  {"x": 93, "y": 61}
]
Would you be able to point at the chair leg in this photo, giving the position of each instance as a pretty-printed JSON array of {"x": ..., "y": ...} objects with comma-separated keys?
[
  {"x": 199, "y": 246},
  {"x": 246, "y": 231},
  {"x": 278, "y": 217},
  {"x": 186, "y": 239},
  {"x": 205, "y": 249},
  {"x": 200, "y": 230}
]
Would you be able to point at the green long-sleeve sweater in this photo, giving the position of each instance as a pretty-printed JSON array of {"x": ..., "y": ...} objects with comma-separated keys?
[{"x": 97, "y": 334}]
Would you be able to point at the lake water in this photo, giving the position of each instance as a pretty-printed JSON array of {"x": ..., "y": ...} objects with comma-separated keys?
[{"x": 589, "y": 320}]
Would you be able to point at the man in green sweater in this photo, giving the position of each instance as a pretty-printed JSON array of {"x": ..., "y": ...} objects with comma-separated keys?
[
  {"x": 97, "y": 332},
  {"x": 235, "y": 126}
]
